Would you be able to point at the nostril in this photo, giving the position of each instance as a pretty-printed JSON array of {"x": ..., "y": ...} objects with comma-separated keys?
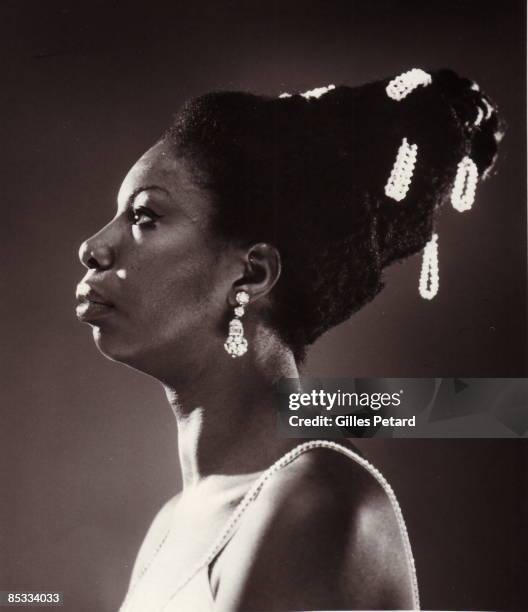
[{"x": 91, "y": 262}]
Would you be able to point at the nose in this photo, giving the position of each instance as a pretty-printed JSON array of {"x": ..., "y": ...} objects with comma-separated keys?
[{"x": 95, "y": 253}]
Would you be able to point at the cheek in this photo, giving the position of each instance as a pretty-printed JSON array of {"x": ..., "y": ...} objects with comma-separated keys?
[
  {"x": 181, "y": 302},
  {"x": 185, "y": 294}
]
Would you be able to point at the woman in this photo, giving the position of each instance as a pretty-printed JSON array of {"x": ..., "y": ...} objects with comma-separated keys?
[{"x": 253, "y": 226}]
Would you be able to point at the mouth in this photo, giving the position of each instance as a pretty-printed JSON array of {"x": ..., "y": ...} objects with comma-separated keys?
[{"x": 91, "y": 305}]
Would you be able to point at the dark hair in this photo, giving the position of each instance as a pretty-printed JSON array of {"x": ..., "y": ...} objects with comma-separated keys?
[{"x": 308, "y": 175}]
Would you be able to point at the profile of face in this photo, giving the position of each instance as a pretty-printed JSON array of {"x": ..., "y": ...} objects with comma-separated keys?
[{"x": 158, "y": 276}]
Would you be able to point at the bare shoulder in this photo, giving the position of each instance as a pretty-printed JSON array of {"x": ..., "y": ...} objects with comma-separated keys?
[
  {"x": 323, "y": 532},
  {"x": 154, "y": 535}
]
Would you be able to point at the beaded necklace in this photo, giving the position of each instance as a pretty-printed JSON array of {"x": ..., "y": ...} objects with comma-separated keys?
[{"x": 250, "y": 496}]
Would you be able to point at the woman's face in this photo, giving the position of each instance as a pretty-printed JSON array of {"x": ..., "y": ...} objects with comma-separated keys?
[{"x": 158, "y": 278}]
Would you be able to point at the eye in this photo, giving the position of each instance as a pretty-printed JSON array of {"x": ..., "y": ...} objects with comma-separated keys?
[{"x": 144, "y": 216}]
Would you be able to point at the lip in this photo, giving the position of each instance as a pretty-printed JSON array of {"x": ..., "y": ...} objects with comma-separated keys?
[
  {"x": 92, "y": 305},
  {"x": 89, "y": 312}
]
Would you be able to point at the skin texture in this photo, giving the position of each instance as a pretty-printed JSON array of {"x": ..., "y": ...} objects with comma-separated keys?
[{"x": 172, "y": 284}]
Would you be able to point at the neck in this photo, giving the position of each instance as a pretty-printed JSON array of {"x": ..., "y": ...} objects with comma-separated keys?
[{"x": 227, "y": 414}]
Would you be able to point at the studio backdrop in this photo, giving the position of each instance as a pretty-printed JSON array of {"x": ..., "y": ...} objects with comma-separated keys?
[{"x": 88, "y": 447}]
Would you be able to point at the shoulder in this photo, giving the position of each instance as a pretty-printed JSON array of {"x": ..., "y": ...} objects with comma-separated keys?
[
  {"x": 330, "y": 496},
  {"x": 324, "y": 484},
  {"x": 325, "y": 476},
  {"x": 155, "y": 534},
  {"x": 324, "y": 531}
]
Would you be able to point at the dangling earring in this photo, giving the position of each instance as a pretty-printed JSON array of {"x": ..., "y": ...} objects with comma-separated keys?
[{"x": 236, "y": 345}]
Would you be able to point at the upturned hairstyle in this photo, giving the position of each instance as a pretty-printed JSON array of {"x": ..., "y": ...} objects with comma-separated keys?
[{"x": 308, "y": 175}]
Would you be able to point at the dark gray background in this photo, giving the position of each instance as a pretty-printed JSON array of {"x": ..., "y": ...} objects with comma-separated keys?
[{"x": 88, "y": 446}]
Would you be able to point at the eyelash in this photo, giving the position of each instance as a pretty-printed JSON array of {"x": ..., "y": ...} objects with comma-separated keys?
[{"x": 140, "y": 211}]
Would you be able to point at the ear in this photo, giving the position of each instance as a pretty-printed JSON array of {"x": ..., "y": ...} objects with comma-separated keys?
[{"x": 262, "y": 269}]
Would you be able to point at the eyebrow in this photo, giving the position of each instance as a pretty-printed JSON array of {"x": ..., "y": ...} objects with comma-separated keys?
[{"x": 137, "y": 191}]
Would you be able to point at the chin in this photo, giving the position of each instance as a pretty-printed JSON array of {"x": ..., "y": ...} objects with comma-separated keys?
[
  {"x": 141, "y": 354},
  {"x": 164, "y": 356},
  {"x": 115, "y": 348}
]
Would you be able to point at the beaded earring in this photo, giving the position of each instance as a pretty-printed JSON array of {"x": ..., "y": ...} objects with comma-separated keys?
[{"x": 236, "y": 345}]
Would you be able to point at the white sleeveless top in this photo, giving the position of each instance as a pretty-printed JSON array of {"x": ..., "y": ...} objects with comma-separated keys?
[{"x": 161, "y": 591}]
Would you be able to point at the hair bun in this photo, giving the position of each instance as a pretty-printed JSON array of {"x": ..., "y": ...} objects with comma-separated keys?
[{"x": 476, "y": 115}]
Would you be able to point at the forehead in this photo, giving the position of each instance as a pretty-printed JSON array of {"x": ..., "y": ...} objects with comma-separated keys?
[{"x": 158, "y": 167}]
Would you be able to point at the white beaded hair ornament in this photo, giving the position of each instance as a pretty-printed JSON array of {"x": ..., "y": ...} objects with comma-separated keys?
[
  {"x": 429, "y": 277},
  {"x": 463, "y": 193},
  {"x": 401, "y": 174},
  {"x": 401, "y": 86},
  {"x": 317, "y": 92}
]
